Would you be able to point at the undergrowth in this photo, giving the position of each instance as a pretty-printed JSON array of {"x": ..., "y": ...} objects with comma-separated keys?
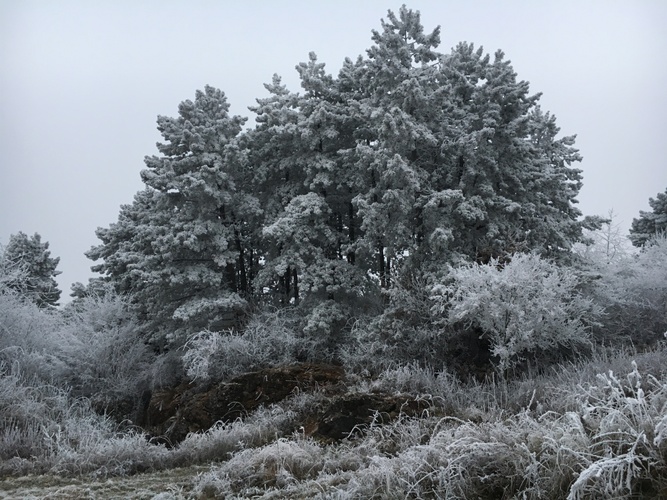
[
  {"x": 569, "y": 435},
  {"x": 594, "y": 429}
]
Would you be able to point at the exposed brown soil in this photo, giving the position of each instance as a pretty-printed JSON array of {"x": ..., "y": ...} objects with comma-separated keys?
[{"x": 174, "y": 412}]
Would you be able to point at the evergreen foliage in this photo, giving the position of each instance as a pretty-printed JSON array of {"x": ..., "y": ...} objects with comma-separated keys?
[
  {"x": 407, "y": 161},
  {"x": 34, "y": 270},
  {"x": 650, "y": 224},
  {"x": 179, "y": 249}
]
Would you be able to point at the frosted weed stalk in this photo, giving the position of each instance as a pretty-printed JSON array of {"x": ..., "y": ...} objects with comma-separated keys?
[
  {"x": 220, "y": 442},
  {"x": 613, "y": 443},
  {"x": 626, "y": 422}
]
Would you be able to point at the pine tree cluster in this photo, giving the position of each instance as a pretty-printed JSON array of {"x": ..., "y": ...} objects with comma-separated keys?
[{"x": 408, "y": 161}]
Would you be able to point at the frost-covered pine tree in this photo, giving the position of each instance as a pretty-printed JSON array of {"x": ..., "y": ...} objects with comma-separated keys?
[
  {"x": 457, "y": 159},
  {"x": 397, "y": 106},
  {"x": 129, "y": 259},
  {"x": 35, "y": 269},
  {"x": 650, "y": 224},
  {"x": 179, "y": 248},
  {"x": 274, "y": 153},
  {"x": 309, "y": 223},
  {"x": 328, "y": 129},
  {"x": 503, "y": 154}
]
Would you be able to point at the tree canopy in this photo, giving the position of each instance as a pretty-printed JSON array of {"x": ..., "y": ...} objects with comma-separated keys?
[
  {"x": 35, "y": 269},
  {"x": 179, "y": 248},
  {"x": 407, "y": 161},
  {"x": 650, "y": 224}
]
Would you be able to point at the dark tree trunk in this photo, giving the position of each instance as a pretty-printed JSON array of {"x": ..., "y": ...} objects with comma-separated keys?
[
  {"x": 381, "y": 268},
  {"x": 351, "y": 231},
  {"x": 230, "y": 275},
  {"x": 295, "y": 275},
  {"x": 243, "y": 277}
]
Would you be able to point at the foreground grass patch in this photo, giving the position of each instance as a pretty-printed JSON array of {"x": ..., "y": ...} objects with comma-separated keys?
[{"x": 590, "y": 430}]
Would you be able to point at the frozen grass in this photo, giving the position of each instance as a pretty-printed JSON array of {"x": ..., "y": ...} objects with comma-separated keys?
[
  {"x": 51, "y": 433},
  {"x": 587, "y": 429},
  {"x": 268, "y": 339},
  {"x": 223, "y": 439},
  {"x": 587, "y": 436},
  {"x": 594, "y": 428}
]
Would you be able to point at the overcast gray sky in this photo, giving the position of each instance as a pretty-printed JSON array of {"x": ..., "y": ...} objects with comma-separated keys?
[{"x": 82, "y": 82}]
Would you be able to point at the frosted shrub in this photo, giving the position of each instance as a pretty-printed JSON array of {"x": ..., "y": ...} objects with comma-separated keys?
[
  {"x": 91, "y": 347},
  {"x": 48, "y": 429},
  {"x": 84, "y": 442},
  {"x": 324, "y": 329},
  {"x": 402, "y": 334},
  {"x": 366, "y": 352},
  {"x": 633, "y": 291},
  {"x": 25, "y": 407},
  {"x": 267, "y": 340},
  {"x": 525, "y": 306},
  {"x": 202, "y": 350},
  {"x": 378, "y": 348},
  {"x": 31, "y": 337},
  {"x": 108, "y": 358}
]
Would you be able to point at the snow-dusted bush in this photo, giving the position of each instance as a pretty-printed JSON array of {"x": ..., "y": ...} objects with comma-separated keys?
[
  {"x": 633, "y": 292},
  {"x": 527, "y": 305},
  {"x": 43, "y": 428},
  {"x": 107, "y": 357},
  {"x": 48, "y": 359},
  {"x": 605, "y": 244},
  {"x": 91, "y": 347},
  {"x": 32, "y": 337},
  {"x": 85, "y": 442},
  {"x": 26, "y": 406},
  {"x": 324, "y": 329},
  {"x": 371, "y": 348},
  {"x": 403, "y": 334},
  {"x": 268, "y": 339}
]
